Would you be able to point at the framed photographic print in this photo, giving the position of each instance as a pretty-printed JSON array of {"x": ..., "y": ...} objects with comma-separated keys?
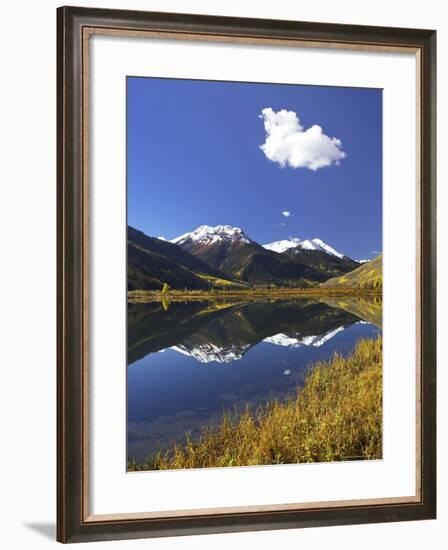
[{"x": 246, "y": 274}]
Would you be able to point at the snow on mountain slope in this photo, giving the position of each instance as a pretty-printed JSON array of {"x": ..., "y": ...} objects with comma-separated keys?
[
  {"x": 207, "y": 234},
  {"x": 309, "y": 244},
  {"x": 315, "y": 341},
  {"x": 318, "y": 244},
  {"x": 318, "y": 341},
  {"x": 208, "y": 353},
  {"x": 284, "y": 340},
  {"x": 282, "y": 246}
]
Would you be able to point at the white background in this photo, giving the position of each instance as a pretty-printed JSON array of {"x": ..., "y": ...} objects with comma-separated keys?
[{"x": 27, "y": 217}]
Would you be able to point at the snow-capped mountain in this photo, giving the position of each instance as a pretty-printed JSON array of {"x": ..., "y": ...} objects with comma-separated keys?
[
  {"x": 206, "y": 234},
  {"x": 283, "y": 340},
  {"x": 292, "y": 262},
  {"x": 154, "y": 261},
  {"x": 308, "y": 244},
  {"x": 318, "y": 244},
  {"x": 282, "y": 246},
  {"x": 320, "y": 340},
  {"x": 290, "y": 342},
  {"x": 208, "y": 353},
  {"x": 230, "y": 250}
]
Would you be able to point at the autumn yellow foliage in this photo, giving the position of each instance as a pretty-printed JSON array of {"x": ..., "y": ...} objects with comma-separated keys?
[{"x": 335, "y": 416}]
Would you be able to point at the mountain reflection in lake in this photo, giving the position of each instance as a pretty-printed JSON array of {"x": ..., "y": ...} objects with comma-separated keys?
[{"x": 189, "y": 361}]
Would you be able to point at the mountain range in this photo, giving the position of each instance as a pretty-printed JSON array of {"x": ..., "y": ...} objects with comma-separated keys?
[
  {"x": 224, "y": 334},
  {"x": 153, "y": 262},
  {"x": 294, "y": 243},
  {"x": 226, "y": 257}
]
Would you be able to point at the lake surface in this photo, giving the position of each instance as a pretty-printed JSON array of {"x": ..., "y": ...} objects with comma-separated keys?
[{"x": 190, "y": 361}]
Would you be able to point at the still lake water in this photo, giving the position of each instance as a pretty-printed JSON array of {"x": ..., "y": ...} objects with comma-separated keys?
[{"x": 188, "y": 362}]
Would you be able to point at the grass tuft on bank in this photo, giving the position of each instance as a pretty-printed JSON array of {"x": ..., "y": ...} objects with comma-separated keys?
[{"x": 335, "y": 416}]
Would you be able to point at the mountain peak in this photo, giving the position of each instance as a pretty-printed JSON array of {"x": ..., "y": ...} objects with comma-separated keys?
[
  {"x": 295, "y": 342},
  {"x": 319, "y": 244},
  {"x": 209, "y": 352},
  {"x": 283, "y": 245},
  {"x": 308, "y": 244},
  {"x": 207, "y": 234}
]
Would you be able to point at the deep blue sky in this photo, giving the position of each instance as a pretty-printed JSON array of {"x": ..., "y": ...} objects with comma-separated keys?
[{"x": 194, "y": 158}]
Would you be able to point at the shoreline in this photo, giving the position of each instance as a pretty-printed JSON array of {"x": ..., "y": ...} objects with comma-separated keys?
[
  {"x": 143, "y": 296},
  {"x": 335, "y": 416}
]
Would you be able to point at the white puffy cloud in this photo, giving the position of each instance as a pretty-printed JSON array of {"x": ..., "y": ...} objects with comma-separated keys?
[
  {"x": 289, "y": 144},
  {"x": 286, "y": 213}
]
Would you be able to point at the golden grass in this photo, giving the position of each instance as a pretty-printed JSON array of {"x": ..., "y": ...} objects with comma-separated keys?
[
  {"x": 218, "y": 282},
  {"x": 337, "y": 415},
  {"x": 368, "y": 276}
]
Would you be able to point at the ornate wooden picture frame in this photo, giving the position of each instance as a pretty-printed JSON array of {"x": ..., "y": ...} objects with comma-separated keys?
[{"x": 76, "y": 27}]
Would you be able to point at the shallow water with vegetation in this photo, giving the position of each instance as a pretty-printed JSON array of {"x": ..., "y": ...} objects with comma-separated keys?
[{"x": 190, "y": 361}]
